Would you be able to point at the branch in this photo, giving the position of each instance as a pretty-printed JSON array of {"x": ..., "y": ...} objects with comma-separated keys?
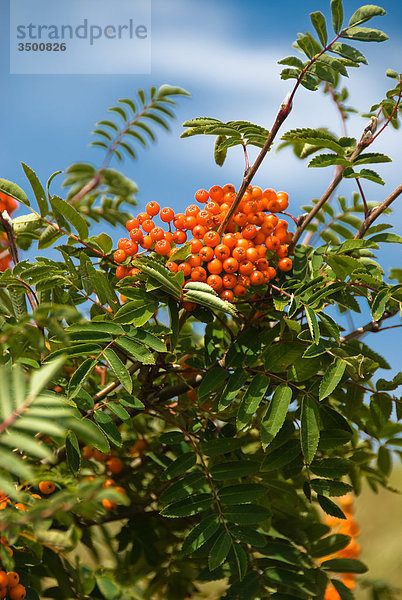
[
  {"x": 376, "y": 212},
  {"x": 371, "y": 327}
]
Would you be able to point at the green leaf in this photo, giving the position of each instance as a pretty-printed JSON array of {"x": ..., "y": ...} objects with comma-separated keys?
[
  {"x": 275, "y": 415},
  {"x": 234, "y": 469},
  {"x": 171, "y": 90},
  {"x": 213, "y": 379},
  {"x": 219, "y": 550},
  {"x": 13, "y": 190},
  {"x": 119, "y": 369},
  {"x": 333, "y": 63},
  {"x": 136, "y": 351},
  {"x": 337, "y": 14},
  {"x": 312, "y": 324},
  {"x": 247, "y": 514},
  {"x": 219, "y": 446},
  {"x": 344, "y": 565},
  {"x": 219, "y": 153},
  {"x": 106, "y": 423},
  {"x": 200, "y": 534},
  {"x": 192, "y": 505},
  {"x": 348, "y": 52},
  {"x": 281, "y": 456},
  {"x": 364, "y": 174},
  {"x": 152, "y": 268},
  {"x": 90, "y": 433},
  {"x": 294, "y": 581},
  {"x": 72, "y": 216},
  {"x": 241, "y": 494},
  {"x": 209, "y": 300},
  {"x": 371, "y": 157},
  {"x": 251, "y": 399},
  {"x": 364, "y": 34},
  {"x": 318, "y": 21},
  {"x": 310, "y": 428},
  {"x": 331, "y": 467},
  {"x": 292, "y": 61},
  {"x": 330, "y": 544},
  {"x": 329, "y": 507},
  {"x": 380, "y": 303},
  {"x": 330, "y": 487},
  {"x": 332, "y": 377},
  {"x": 364, "y": 13},
  {"x": 327, "y": 160},
  {"x": 241, "y": 560},
  {"x": 315, "y": 137},
  {"x": 73, "y": 453},
  {"x": 330, "y": 325},
  {"x": 388, "y": 238},
  {"x": 138, "y": 312},
  {"x": 344, "y": 592},
  {"x": 183, "y": 487},
  {"x": 179, "y": 466},
  {"x": 80, "y": 375},
  {"x": 37, "y": 189},
  {"x": 119, "y": 411},
  {"x": 235, "y": 383}
]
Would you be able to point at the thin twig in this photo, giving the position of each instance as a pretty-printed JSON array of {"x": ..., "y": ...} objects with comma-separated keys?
[
  {"x": 374, "y": 214},
  {"x": 366, "y": 209}
]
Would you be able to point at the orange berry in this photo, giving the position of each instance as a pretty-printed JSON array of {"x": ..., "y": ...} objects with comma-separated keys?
[
  {"x": 246, "y": 267},
  {"x": 179, "y": 221},
  {"x": 191, "y": 222},
  {"x": 252, "y": 254},
  {"x": 230, "y": 265},
  {"x": 157, "y": 234},
  {"x": 120, "y": 489},
  {"x": 222, "y": 251},
  {"x": 100, "y": 456},
  {"x": 199, "y": 231},
  {"x": 285, "y": 264},
  {"x": 227, "y": 295},
  {"x": 262, "y": 264},
  {"x": 108, "y": 504},
  {"x": 202, "y": 196},
  {"x": 172, "y": 266},
  {"x": 282, "y": 198},
  {"x": 256, "y": 192},
  {"x": 206, "y": 253},
  {"x": 192, "y": 210},
  {"x": 134, "y": 271},
  {"x": 267, "y": 227},
  {"x": 282, "y": 251},
  {"x": 204, "y": 217},
  {"x": 139, "y": 447},
  {"x": 215, "y": 281},
  {"x": 249, "y": 232},
  {"x": 215, "y": 266},
  {"x": 256, "y": 278},
  {"x": 114, "y": 465},
  {"x": 148, "y": 225},
  {"x": 47, "y": 487},
  {"x": 3, "y": 591},
  {"x": 239, "y": 290},
  {"x": 271, "y": 272},
  {"x": 259, "y": 238},
  {"x": 179, "y": 237},
  {"x": 136, "y": 235},
  {"x": 132, "y": 224},
  {"x": 147, "y": 242},
  {"x": 122, "y": 243},
  {"x": 196, "y": 245},
  {"x": 108, "y": 483},
  {"x": 228, "y": 188},
  {"x": 199, "y": 274},
  {"x": 185, "y": 267},
  {"x": 213, "y": 208},
  {"x": 239, "y": 253},
  {"x": 211, "y": 238},
  {"x": 17, "y": 593},
  {"x": 241, "y": 219},
  {"x": 166, "y": 215},
  {"x": 3, "y": 579},
  {"x": 87, "y": 452},
  {"x": 152, "y": 208},
  {"x": 20, "y": 506},
  {"x": 250, "y": 207},
  {"x": 144, "y": 216},
  {"x": 163, "y": 247},
  {"x": 229, "y": 281},
  {"x": 229, "y": 240},
  {"x": 216, "y": 193},
  {"x": 13, "y": 579},
  {"x": 131, "y": 248},
  {"x": 243, "y": 280},
  {"x": 194, "y": 260},
  {"x": 272, "y": 243},
  {"x": 119, "y": 256}
]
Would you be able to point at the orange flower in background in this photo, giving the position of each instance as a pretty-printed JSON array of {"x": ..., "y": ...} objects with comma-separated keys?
[{"x": 348, "y": 527}]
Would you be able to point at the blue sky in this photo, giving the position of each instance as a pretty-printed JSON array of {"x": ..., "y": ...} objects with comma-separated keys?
[{"x": 225, "y": 53}]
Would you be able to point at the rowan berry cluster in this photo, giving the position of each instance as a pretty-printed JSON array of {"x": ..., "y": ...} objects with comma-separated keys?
[
  {"x": 250, "y": 252},
  {"x": 113, "y": 464},
  {"x": 348, "y": 527},
  {"x": 10, "y": 205},
  {"x": 10, "y": 586}
]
